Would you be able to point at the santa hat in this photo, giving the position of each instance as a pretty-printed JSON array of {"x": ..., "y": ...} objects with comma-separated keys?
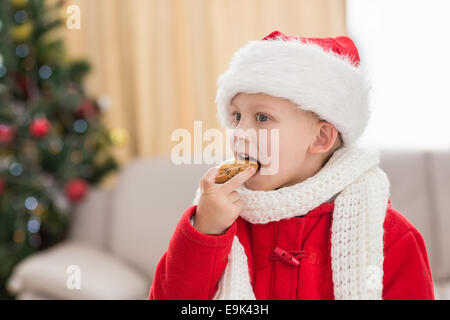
[{"x": 322, "y": 75}]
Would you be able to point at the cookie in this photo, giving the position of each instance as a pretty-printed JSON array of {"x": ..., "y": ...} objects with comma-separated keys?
[{"x": 229, "y": 170}]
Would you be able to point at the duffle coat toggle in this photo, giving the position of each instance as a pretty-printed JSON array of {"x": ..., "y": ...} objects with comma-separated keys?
[{"x": 291, "y": 257}]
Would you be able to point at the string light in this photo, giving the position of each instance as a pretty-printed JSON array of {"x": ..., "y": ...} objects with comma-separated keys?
[
  {"x": 22, "y": 50},
  {"x": 20, "y": 16},
  {"x": 31, "y": 203},
  {"x": 2, "y": 67},
  {"x": 104, "y": 102},
  {"x": 15, "y": 169},
  {"x": 34, "y": 224},
  {"x": 39, "y": 211},
  {"x": 76, "y": 156},
  {"x": 35, "y": 240},
  {"x": 55, "y": 146},
  {"x": 3, "y": 71},
  {"x": 45, "y": 72},
  {"x": 118, "y": 136},
  {"x": 80, "y": 126},
  {"x": 18, "y": 236}
]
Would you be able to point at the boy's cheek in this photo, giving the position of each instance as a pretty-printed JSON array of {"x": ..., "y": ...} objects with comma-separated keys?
[{"x": 269, "y": 171}]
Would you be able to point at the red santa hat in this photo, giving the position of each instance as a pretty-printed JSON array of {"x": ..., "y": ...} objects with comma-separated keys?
[{"x": 322, "y": 75}]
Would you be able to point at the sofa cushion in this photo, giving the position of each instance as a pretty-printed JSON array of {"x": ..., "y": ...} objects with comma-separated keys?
[
  {"x": 89, "y": 221},
  {"x": 440, "y": 176},
  {"x": 409, "y": 179},
  {"x": 101, "y": 275},
  {"x": 148, "y": 201}
]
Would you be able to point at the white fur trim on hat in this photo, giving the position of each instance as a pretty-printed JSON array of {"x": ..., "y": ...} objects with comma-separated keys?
[{"x": 316, "y": 80}]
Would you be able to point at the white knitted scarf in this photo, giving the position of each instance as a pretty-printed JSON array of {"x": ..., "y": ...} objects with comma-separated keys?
[{"x": 361, "y": 191}]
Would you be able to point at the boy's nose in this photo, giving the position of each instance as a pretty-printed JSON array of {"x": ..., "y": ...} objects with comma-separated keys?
[
  {"x": 241, "y": 134},
  {"x": 246, "y": 137},
  {"x": 244, "y": 141}
]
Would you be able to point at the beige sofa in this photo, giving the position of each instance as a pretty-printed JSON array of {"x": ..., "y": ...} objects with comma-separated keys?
[{"x": 118, "y": 236}]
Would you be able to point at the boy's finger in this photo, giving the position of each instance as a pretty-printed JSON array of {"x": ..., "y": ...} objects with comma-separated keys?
[
  {"x": 239, "y": 179},
  {"x": 209, "y": 178}
]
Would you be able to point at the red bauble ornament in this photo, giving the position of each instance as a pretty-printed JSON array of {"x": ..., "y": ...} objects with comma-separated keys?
[
  {"x": 76, "y": 189},
  {"x": 2, "y": 185},
  {"x": 87, "y": 109},
  {"x": 39, "y": 127},
  {"x": 6, "y": 134}
]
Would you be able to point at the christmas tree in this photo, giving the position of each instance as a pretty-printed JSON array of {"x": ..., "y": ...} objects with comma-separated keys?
[{"x": 53, "y": 145}]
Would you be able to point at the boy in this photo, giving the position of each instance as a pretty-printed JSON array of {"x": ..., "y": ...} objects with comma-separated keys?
[{"x": 321, "y": 226}]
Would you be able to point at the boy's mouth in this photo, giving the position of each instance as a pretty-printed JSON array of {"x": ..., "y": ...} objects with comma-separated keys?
[{"x": 243, "y": 156}]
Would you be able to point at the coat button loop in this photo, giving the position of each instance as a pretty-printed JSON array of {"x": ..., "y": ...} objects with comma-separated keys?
[{"x": 286, "y": 256}]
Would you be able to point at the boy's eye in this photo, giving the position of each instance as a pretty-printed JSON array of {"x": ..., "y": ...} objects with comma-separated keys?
[
  {"x": 262, "y": 117},
  {"x": 259, "y": 117}
]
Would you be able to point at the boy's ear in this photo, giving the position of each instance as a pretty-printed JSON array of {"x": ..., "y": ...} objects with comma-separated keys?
[{"x": 325, "y": 138}]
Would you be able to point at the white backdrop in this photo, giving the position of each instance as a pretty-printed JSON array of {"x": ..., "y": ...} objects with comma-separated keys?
[{"x": 405, "y": 45}]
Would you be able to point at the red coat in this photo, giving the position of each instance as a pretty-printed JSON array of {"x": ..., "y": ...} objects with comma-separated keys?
[{"x": 194, "y": 262}]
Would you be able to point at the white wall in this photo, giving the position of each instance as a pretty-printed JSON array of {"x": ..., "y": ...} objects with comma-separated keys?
[{"x": 405, "y": 45}]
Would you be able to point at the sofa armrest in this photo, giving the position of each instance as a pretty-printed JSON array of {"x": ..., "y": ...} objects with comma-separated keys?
[
  {"x": 439, "y": 189},
  {"x": 56, "y": 272},
  {"x": 89, "y": 222},
  {"x": 442, "y": 290}
]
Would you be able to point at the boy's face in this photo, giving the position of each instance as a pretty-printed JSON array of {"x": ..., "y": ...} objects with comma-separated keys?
[{"x": 297, "y": 132}]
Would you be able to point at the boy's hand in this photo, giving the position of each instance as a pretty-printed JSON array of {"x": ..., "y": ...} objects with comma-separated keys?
[{"x": 219, "y": 204}]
